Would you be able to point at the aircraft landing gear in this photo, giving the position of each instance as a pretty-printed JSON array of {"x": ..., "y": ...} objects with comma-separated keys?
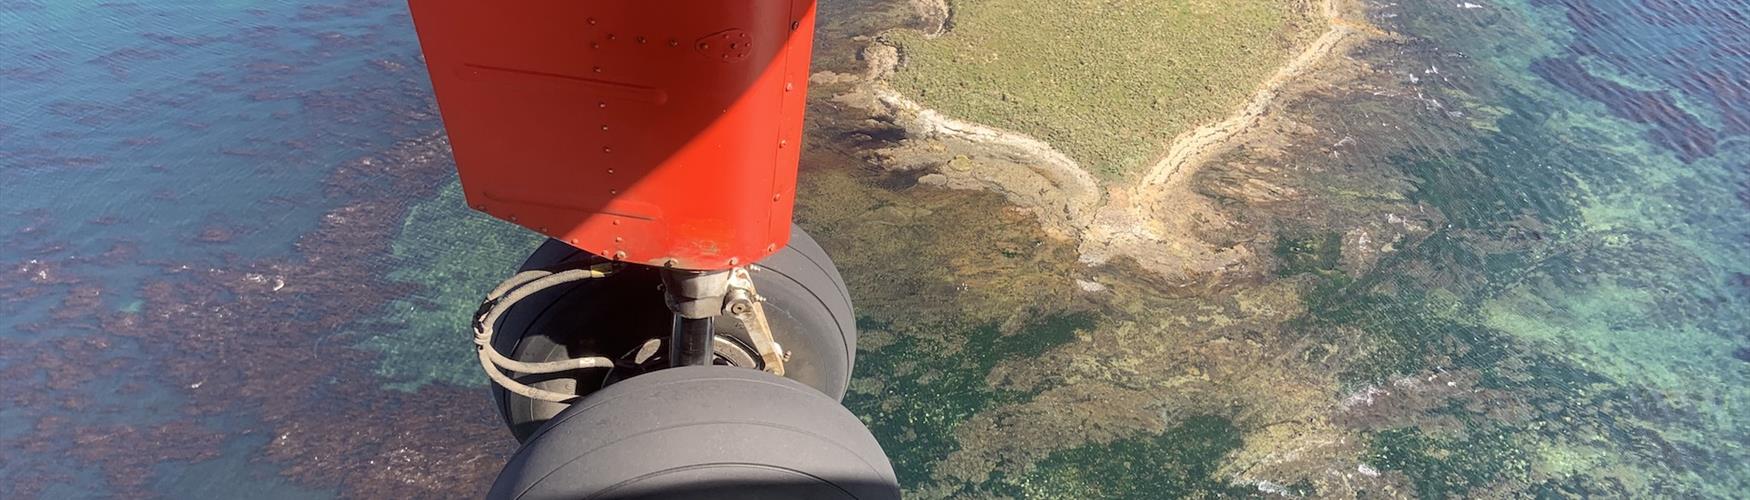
[{"x": 717, "y": 359}]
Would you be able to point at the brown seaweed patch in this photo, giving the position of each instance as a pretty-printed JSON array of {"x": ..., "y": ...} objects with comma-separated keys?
[
  {"x": 394, "y": 445},
  {"x": 1673, "y": 128},
  {"x": 182, "y": 41},
  {"x": 150, "y": 446},
  {"x": 119, "y": 61},
  {"x": 118, "y": 252},
  {"x": 216, "y": 234},
  {"x": 251, "y": 334}
]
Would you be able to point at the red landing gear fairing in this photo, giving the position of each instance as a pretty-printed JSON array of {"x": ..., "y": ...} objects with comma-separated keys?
[{"x": 656, "y": 142}]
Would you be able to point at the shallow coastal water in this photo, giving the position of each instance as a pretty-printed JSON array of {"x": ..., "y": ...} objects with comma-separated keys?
[{"x": 1503, "y": 251}]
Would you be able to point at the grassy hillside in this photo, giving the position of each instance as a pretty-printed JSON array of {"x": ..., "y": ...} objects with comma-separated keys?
[{"x": 1109, "y": 82}]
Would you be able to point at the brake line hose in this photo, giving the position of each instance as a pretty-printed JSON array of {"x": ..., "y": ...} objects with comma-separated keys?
[{"x": 507, "y": 294}]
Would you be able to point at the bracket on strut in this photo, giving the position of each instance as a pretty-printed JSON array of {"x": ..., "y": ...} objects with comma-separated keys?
[{"x": 745, "y": 304}]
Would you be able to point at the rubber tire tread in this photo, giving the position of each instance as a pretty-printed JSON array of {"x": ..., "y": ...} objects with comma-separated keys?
[{"x": 701, "y": 432}]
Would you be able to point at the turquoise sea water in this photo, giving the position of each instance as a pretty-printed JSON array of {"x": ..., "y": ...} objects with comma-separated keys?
[
  {"x": 208, "y": 288},
  {"x": 144, "y": 140}
]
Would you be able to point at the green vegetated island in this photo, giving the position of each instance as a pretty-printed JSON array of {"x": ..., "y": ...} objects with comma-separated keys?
[{"x": 1108, "y": 82}]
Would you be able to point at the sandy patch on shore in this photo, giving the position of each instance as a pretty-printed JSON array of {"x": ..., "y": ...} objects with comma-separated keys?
[{"x": 1158, "y": 221}]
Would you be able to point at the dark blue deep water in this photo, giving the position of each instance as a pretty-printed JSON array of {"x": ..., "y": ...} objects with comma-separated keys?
[{"x": 234, "y": 263}]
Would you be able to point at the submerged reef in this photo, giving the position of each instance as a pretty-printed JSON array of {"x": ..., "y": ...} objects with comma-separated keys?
[
  {"x": 1180, "y": 462},
  {"x": 254, "y": 335},
  {"x": 452, "y": 255},
  {"x": 1408, "y": 274},
  {"x": 147, "y": 361}
]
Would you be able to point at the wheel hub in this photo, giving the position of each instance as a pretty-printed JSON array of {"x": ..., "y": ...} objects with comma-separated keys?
[{"x": 650, "y": 356}]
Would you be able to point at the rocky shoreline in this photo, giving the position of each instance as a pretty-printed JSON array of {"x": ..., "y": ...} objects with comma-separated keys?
[
  {"x": 1183, "y": 269},
  {"x": 1157, "y": 221}
]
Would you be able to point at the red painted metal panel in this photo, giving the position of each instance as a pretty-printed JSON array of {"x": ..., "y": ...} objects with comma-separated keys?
[{"x": 650, "y": 131}]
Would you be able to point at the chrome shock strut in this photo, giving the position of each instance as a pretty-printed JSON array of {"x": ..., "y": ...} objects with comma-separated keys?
[{"x": 696, "y": 298}]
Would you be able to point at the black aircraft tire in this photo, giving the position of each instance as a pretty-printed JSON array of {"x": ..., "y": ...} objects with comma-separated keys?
[
  {"x": 807, "y": 305},
  {"x": 713, "y": 432}
]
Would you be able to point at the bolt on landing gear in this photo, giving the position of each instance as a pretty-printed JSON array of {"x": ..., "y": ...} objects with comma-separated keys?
[{"x": 778, "y": 351}]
